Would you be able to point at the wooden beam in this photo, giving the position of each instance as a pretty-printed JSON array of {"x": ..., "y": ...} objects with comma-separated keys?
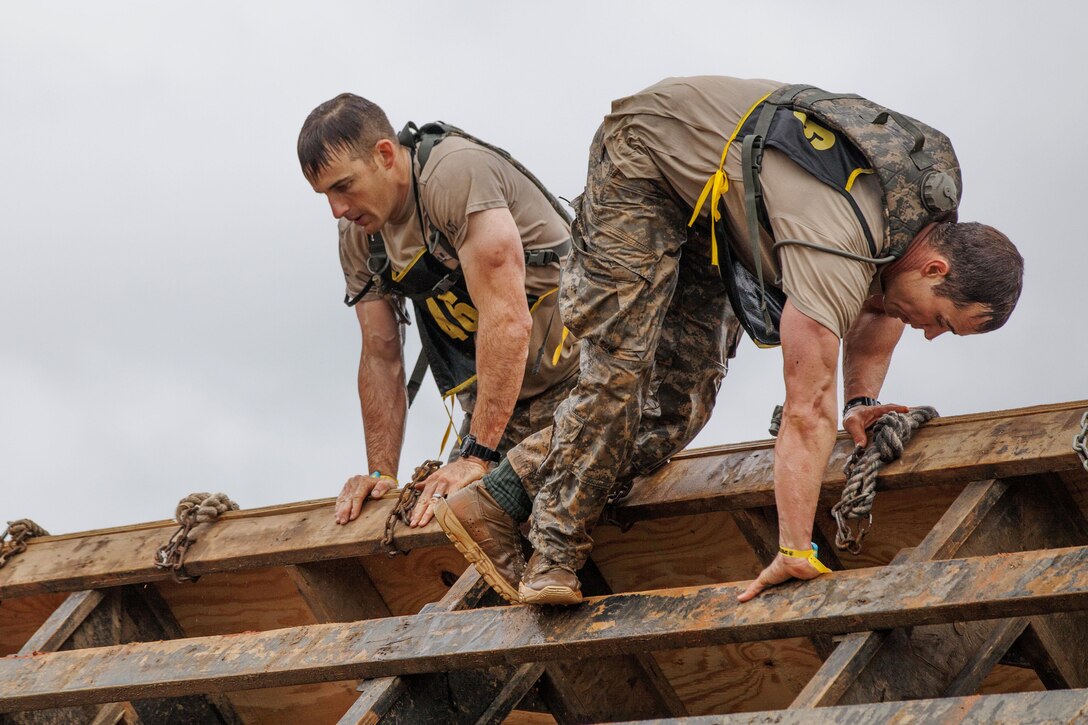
[
  {"x": 1056, "y": 650},
  {"x": 597, "y": 689},
  {"x": 759, "y": 527},
  {"x": 512, "y": 691},
  {"x": 1000, "y": 586},
  {"x": 339, "y": 590},
  {"x": 422, "y": 698},
  {"x": 957, "y": 449},
  {"x": 1068, "y": 707},
  {"x": 946, "y": 660},
  {"x": 64, "y": 620},
  {"x": 855, "y": 653},
  {"x": 86, "y": 619},
  {"x": 98, "y": 618}
]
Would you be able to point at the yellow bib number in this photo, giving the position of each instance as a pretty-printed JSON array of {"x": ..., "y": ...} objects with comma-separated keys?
[
  {"x": 821, "y": 138},
  {"x": 457, "y": 319}
]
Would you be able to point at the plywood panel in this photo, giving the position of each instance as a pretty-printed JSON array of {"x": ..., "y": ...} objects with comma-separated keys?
[
  {"x": 20, "y": 618},
  {"x": 406, "y": 583},
  {"x": 247, "y": 601}
]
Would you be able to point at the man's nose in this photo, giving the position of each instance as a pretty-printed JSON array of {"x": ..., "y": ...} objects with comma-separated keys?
[{"x": 339, "y": 208}]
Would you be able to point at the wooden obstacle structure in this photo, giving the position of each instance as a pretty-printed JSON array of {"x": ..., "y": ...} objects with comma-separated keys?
[{"x": 968, "y": 604}]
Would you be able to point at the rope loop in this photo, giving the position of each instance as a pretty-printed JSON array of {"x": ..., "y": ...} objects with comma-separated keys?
[
  {"x": 887, "y": 440},
  {"x": 194, "y": 509},
  {"x": 15, "y": 537}
]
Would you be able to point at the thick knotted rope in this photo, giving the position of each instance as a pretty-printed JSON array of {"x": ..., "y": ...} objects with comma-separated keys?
[
  {"x": 409, "y": 496},
  {"x": 194, "y": 509},
  {"x": 887, "y": 439},
  {"x": 13, "y": 540}
]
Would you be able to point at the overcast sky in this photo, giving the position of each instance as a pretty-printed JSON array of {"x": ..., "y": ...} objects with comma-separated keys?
[{"x": 170, "y": 292}]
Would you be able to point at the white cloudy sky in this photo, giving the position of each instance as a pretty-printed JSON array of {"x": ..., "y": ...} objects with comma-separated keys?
[{"x": 170, "y": 293}]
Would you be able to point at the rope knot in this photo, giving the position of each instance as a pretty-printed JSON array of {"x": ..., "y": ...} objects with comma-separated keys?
[
  {"x": 194, "y": 509},
  {"x": 887, "y": 440},
  {"x": 15, "y": 537}
]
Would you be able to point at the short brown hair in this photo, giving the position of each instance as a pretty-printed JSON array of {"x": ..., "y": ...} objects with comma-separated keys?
[
  {"x": 984, "y": 267},
  {"x": 346, "y": 123}
]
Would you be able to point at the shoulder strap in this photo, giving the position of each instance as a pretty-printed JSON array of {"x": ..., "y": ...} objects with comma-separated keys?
[{"x": 377, "y": 264}]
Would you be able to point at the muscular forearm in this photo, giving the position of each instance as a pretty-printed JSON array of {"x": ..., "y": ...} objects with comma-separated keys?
[
  {"x": 384, "y": 405},
  {"x": 502, "y": 347},
  {"x": 801, "y": 453},
  {"x": 809, "y": 354},
  {"x": 867, "y": 353},
  {"x": 382, "y": 396}
]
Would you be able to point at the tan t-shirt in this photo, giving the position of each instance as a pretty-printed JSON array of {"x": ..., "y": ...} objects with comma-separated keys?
[
  {"x": 461, "y": 178},
  {"x": 677, "y": 129}
]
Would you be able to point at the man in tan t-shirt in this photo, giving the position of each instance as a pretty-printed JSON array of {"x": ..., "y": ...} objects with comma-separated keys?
[
  {"x": 474, "y": 244},
  {"x": 661, "y": 165}
]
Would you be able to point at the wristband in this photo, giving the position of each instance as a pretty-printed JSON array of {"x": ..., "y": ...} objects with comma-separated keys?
[
  {"x": 809, "y": 554},
  {"x": 855, "y": 402},
  {"x": 379, "y": 474}
]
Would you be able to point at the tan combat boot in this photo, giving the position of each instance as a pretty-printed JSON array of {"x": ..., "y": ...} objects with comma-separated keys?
[
  {"x": 487, "y": 536},
  {"x": 548, "y": 583}
]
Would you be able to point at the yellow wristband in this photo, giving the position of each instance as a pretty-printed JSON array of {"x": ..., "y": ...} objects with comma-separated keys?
[
  {"x": 379, "y": 475},
  {"x": 809, "y": 554}
]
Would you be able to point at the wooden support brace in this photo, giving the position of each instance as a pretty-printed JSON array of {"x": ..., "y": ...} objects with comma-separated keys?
[
  {"x": 339, "y": 590},
  {"x": 1002, "y": 586},
  {"x": 945, "y": 660},
  {"x": 759, "y": 526},
  {"x": 596, "y": 689}
]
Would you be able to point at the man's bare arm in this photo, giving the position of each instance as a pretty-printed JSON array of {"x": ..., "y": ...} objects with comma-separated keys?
[
  {"x": 384, "y": 404},
  {"x": 867, "y": 353},
  {"x": 493, "y": 261},
  {"x": 810, "y": 355}
]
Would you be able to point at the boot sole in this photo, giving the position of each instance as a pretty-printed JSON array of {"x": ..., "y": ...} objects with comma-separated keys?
[
  {"x": 550, "y": 595},
  {"x": 465, "y": 544}
]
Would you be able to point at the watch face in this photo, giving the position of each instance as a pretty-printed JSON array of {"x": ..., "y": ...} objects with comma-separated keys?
[{"x": 467, "y": 444}]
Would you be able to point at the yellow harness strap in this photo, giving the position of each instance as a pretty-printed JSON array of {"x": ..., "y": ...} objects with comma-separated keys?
[
  {"x": 809, "y": 554},
  {"x": 718, "y": 184}
]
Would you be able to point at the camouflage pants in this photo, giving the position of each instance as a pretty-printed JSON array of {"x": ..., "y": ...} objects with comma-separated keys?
[
  {"x": 656, "y": 330},
  {"x": 529, "y": 415}
]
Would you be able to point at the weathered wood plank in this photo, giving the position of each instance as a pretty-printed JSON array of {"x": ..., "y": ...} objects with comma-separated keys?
[
  {"x": 78, "y": 618},
  {"x": 97, "y": 618},
  {"x": 513, "y": 690},
  {"x": 855, "y": 652},
  {"x": 955, "y": 449},
  {"x": 985, "y": 657},
  {"x": 961, "y": 449},
  {"x": 945, "y": 660},
  {"x": 759, "y": 526},
  {"x": 1054, "y": 708},
  {"x": 597, "y": 689},
  {"x": 401, "y": 699},
  {"x": 65, "y": 620},
  {"x": 959, "y": 589}
]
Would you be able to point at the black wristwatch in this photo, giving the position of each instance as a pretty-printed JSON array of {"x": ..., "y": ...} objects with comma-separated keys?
[
  {"x": 855, "y": 402},
  {"x": 469, "y": 447}
]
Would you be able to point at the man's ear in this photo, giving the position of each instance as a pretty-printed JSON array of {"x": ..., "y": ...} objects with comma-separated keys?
[
  {"x": 937, "y": 266},
  {"x": 385, "y": 153}
]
